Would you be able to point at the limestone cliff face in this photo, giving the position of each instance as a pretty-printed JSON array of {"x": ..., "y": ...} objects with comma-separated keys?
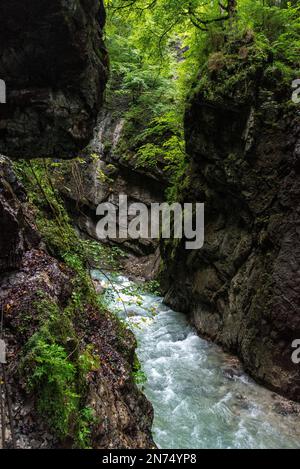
[
  {"x": 101, "y": 177},
  {"x": 54, "y": 63},
  {"x": 242, "y": 289}
]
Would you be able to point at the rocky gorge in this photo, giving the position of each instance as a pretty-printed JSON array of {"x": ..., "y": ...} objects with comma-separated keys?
[
  {"x": 88, "y": 119},
  {"x": 242, "y": 288},
  {"x": 55, "y": 72},
  {"x": 54, "y": 63}
]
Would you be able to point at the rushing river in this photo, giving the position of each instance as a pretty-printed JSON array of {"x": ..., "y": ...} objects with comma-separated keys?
[{"x": 201, "y": 396}]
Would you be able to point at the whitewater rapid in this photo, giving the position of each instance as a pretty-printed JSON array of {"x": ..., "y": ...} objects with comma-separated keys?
[{"x": 201, "y": 396}]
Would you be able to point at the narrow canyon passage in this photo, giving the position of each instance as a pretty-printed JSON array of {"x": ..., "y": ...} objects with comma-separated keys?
[
  {"x": 149, "y": 198},
  {"x": 201, "y": 396}
]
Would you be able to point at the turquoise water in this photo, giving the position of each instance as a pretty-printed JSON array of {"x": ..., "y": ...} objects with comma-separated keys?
[{"x": 201, "y": 396}]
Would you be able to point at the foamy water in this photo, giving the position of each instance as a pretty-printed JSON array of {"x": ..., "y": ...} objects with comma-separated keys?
[{"x": 201, "y": 396}]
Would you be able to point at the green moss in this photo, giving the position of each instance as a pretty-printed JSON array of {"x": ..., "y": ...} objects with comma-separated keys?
[
  {"x": 55, "y": 371},
  {"x": 55, "y": 365},
  {"x": 50, "y": 373},
  {"x": 85, "y": 422}
]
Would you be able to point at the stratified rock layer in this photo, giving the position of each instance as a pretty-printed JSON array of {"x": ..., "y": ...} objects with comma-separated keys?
[
  {"x": 54, "y": 63},
  {"x": 242, "y": 289}
]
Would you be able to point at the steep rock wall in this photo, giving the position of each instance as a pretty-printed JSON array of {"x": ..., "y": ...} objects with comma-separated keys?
[
  {"x": 101, "y": 177},
  {"x": 54, "y": 63},
  {"x": 242, "y": 289},
  {"x": 33, "y": 284}
]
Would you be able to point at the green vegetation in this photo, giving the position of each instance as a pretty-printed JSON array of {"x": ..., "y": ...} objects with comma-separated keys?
[
  {"x": 56, "y": 227},
  {"x": 55, "y": 367},
  {"x": 160, "y": 49},
  {"x": 143, "y": 90},
  {"x": 55, "y": 364},
  {"x": 138, "y": 374},
  {"x": 53, "y": 377}
]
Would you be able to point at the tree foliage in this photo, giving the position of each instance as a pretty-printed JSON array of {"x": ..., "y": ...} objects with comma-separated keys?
[{"x": 158, "y": 47}]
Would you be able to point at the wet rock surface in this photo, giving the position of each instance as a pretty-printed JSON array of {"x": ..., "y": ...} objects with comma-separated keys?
[
  {"x": 101, "y": 177},
  {"x": 242, "y": 289},
  {"x": 54, "y": 63},
  {"x": 123, "y": 416}
]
